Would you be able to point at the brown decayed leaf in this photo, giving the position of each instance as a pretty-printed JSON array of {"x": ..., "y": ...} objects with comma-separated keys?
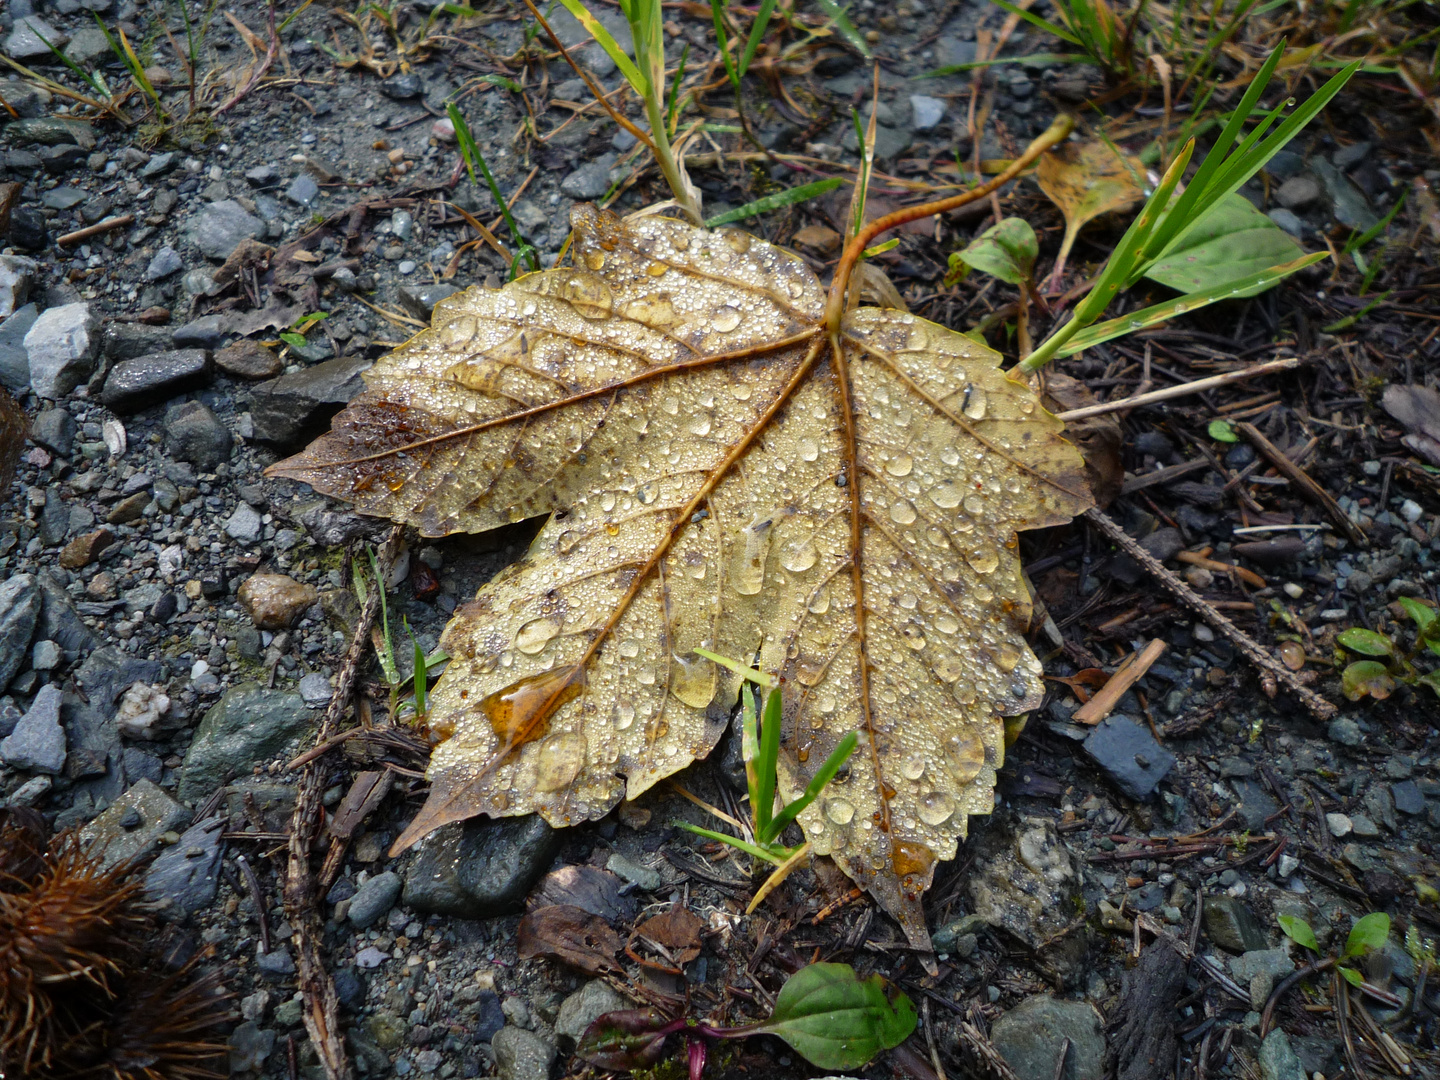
[
  {"x": 14, "y": 426},
  {"x": 720, "y": 475},
  {"x": 678, "y": 930},
  {"x": 1085, "y": 180},
  {"x": 569, "y": 934}
]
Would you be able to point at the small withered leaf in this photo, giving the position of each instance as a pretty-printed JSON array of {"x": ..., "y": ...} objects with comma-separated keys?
[{"x": 722, "y": 473}]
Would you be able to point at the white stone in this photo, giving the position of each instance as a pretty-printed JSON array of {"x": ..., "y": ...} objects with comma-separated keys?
[
  {"x": 1293, "y": 590},
  {"x": 1338, "y": 824},
  {"x": 17, "y": 275},
  {"x": 61, "y": 348},
  {"x": 1410, "y": 510},
  {"x": 140, "y": 710},
  {"x": 28, "y": 39},
  {"x": 928, "y": 111}
]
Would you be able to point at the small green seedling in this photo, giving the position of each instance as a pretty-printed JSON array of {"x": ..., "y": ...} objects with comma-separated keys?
[
  {"x": 1368, "y": 934},
  {"x": 385, "y": 653},
  {"x": 295, "y": 336},
  {"x": 1388, "y": 664},
  {"x": 760, "y": 749},
  {"x": 1221, "y": 431},
  {"x": 473, "y": 159}
]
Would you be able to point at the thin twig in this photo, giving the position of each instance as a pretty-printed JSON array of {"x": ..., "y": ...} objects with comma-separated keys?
[
  {"x": 1182, "y": 390},
  {"x": 94, "y": 230},
  {"x": 1301, "y": 479},
  {"x": 253, "y": 883},
  {"x": 1318, "y": 706}
]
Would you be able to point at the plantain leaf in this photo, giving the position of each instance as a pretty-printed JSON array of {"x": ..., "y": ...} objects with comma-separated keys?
[
  {"x": 1006, "y": 251},
  {"x": 837, "y": 1020},
  {"x": 1366, "y": 642},
  {"x": 1367, "y": 677},
  {"x": 1298, "y": 931},
  {"x": 1368, "y": 934},
  {"x": 1232, "y": 241}
]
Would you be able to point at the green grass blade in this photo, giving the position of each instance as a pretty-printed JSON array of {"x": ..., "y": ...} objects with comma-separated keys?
[
  {"x": 717, "y": 13},
  {"x": 1033, "y": 58},
  {"x": 757, "y": 35},
  {"x": 836, "y": 14},
  {"x": 733, "y": 841},
  {"x": 832, "y": 765},
  {"x": 1044, "y": 24},
  {"x": 386, "y": 656},
  {"x": 1159, "y": 313},
  {"x": 788, "y": 197},
  {"x": 748, "y": 673},
  {"x": 674, "y": 105},
  {"x": 1350, "y": 320},
  {"x": 1355, "y": 243},
  {"x": 473, "y": 157},
  {"x": 596, "y": 29},
  {"x": 765, "y": 767},
  {"x": 80, "y": 72}
]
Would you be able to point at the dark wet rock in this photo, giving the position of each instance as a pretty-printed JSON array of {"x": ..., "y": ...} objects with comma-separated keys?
[
  {"x": 28, "y": 228},
  {"x": 1275, "y": 963},
  {"x": 420, "y": 300},
  {"x": 591, "y": 180},
  {"x": 51, "y": 131},
  {"x": 1256, "y": 804},
  {"x": 20, "y": 602},
  {"x": 134, "y": 824},
  {"x": 250, "y": 1045},
  {"x": 1231, "y": 924},
  {"x": 14, "y": 360},
  {"x": 403, "y": 87},
  {"x": 195, "y": 434},
  {"x": 1023, "y": 880},
  {"x": 55, "y": 430},
  {"x": 206, "y": 332},
  {"x": 1031, "y": 1035},
  {"x": 1348, "y": 203},
  {"x": 60, "y": 622},
  {"x": 479, "y": 868},
  {"x": 127, "y": 340},
  {"x": 374, "y": 899},
  {"x": 294, "y": 407},
  {"x": 491, "y": 1016},
  {"x": 147, "y": 380},
  {"x": 184, "y": 878},
  {"x": 248, "y": 725},
  {"x": 349, "y": 989},
  {"x": 1127, "y": 753},
  {"x": 109, "y": 671},
  {"x": 277, "y": 962},
  {"x": 38, "y": 742},
  {"x": 218, "y": 229},
  {"x": 1345, "y": 731},
  {"x": 1408, "y": 798}
]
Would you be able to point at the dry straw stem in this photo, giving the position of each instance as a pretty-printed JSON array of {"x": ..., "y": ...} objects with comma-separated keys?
[
  {"x": 1272, "y": 668},
  {"x": 1270, "y": 367}
]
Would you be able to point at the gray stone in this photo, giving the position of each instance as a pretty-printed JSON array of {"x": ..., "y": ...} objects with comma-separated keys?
[
  {"x": 250, "y": 1045},
  {"x": 244, "y": 524},
  {"x": 420, "y": 300},
  {"x": 633, "y": 872},
  {"x": 38, "y": 742},
  {"x": 568, "y": 29},
  {"x": 185, "y": 876},
  {"x": 277, "y": 962},
  {"x": 1030, "y": 1036},
  {"x": 14, "y": 360},
  {"x": 1278, "y": 1060},
  {"x": 60, "y": 622},
  {"x": 61, "y": 347},
  {"x": 521, "y": 1054},
  {"x": 1127, "y": 753},
  {"x": 889, "y": 142},
  {"x": 591, "y": 180},
  {"x": 88, "y": 45},
  {"x": 480, "y": 868},
  {"x": 20, "y": 601},
  {"x": 1297, "y": 192},
  {"x": 46, "y": 656},
  {"x": 62, "y": 198},
  {"x": 315, "y": 688},
  {"x": 54, "y": 429},
  {"x": 1348, "y": 203},
  {"x": 927, "y": 111},
  {"x": 1364, "y": 827},
  {"x": 116, "y": 834},
  {"x": 52, "y": 131},
  {"x": 583, "y": 1008},
  {"x": 1348, "y": 157},
  {"x": 147, "y": 380},
  {"x": 374, "y": 899},
  {"x": 1408, "y": 798},
  {"x": 1232, "y": 925},
  {"x": 27, "y": 41},
  {"x": 247, "y": 726},
  {"x": 17, "y": 277},
  {"x": 218, "y": 228},
  {"x": 1275, "y": 963},
  {"x": 28, "y": 101},
  {"x": 263, "y": 176},
  {"x": 289, "y": 409},
  {"x": 1256, "y": 804},
  {"x": 951, "y": 52},
  {"x": 193, "y": 433},
  {"x": 158, "y": 165},
  {"x": 303, "y": 190},
  {"x": 206, "y": 332},
  {"x": 167, "y": 261},
  {"x": 1288, "y": 221},
  {"x": 1345, "y": 731},
  {"x": 1023, "y": 879}
]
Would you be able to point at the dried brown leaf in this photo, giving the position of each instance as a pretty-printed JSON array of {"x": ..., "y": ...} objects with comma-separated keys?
[
  {"x": 678, "y": 930},
  {"x": 569, "y": 934},
  {"x": 719, "y": 474},
  {"x": 1086, "y": 180}
]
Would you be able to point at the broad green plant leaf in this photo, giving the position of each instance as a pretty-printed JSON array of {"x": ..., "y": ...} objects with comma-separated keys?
[
  {"x": 1298, "y": 931},
  {"x": 837, "y": 1020},
  {"x": 1233, "y": 241},
  {"x": 1369, "y": 933},
  {"x": 1350, "y": 975},
  {"x": 1221, "y": 431},
  {"x": 626, "y": 1040},
  {"x": 1432, "y": 680},
  {"x": 596, "y": 29},
  {"x": 718, "y": 474},
  {"x": 1086, "y": 180},
  {"x": 1366, "y": 642},
  {"x": 1006, "y": 251},
  {"x": 1421, "y": 614},
  {"x": 1366, "y": 677}
]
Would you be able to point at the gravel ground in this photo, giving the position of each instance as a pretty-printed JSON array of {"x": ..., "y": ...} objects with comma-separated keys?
[{"x": 171, "y": 623}]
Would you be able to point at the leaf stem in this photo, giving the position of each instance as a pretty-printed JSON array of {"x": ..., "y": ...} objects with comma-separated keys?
[{"x": 1055, "y": 134}]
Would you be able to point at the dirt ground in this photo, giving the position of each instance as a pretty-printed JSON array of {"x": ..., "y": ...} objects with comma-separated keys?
[{"x": 1124, "y": 894}]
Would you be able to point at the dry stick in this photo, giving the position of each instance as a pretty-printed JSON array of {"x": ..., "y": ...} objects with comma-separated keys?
[
  {"x": 1183, "y": 389},
  {"x": 94, "y": 230},
  {"x": 1318, "y": 706},
  {"x": 1126, "y": 675},
  {"x": 322, "y": 1008},
  {"x": 1298, "y": 476}
]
